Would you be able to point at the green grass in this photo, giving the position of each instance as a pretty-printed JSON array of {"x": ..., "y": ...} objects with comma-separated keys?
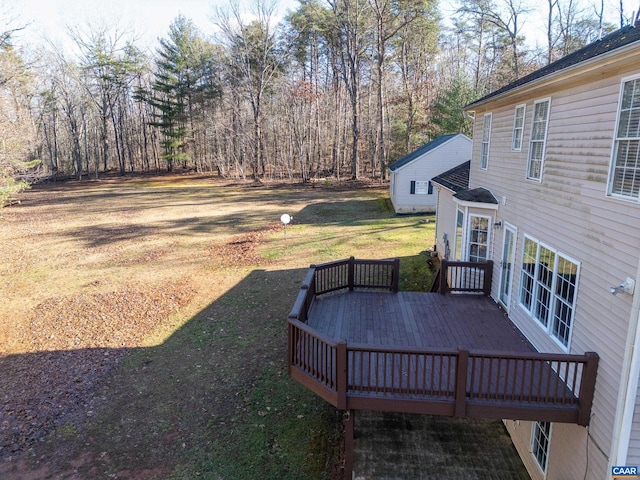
[{"x": 283, "y": 433}]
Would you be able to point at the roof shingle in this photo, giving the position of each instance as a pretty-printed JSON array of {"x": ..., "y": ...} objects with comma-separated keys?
[{"x": 455, "y": 179}]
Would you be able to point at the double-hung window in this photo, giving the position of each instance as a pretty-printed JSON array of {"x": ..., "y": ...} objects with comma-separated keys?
[
  {"x": 540, "y": 443},
  {"x": 518, "y": 128},
  {"x": 486, "y": 137},
  {"x": 624, "y": 177},
  {"x": 548, "y": 286},
  {"x": 538, "y": 140}
]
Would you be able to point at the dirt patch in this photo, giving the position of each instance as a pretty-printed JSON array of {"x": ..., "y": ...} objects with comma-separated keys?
[
  {"x": 241, "y": 250},
  {"x": 116, "y": 319}
]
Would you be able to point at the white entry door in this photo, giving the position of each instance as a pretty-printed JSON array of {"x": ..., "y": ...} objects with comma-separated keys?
[{"x": 506, "y": 265}]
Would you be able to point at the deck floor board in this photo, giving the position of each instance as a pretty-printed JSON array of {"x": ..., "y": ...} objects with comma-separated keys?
[{"x": 414, "y": 319}]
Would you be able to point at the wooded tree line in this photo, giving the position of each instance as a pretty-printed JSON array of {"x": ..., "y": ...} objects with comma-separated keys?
[{"x": 337, "y": 88}]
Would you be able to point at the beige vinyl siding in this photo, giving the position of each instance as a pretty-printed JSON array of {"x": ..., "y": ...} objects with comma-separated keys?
[
  {"x": 570, "y": 212},
  {"x": 568, "y": 446},
  {"x": 633, "y": 454},
  {"x": 445, "y": 221}
]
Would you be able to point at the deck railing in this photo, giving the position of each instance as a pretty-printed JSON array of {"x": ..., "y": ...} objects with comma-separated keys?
[
  {"x": 465, "y": 277},
  {"x": 356, "y": 274},
  {"x": 534, "y": 386},
  {"x": 349, "y": 274}
]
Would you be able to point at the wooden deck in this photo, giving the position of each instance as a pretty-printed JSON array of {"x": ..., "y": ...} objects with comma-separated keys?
[
  {"x": 420, "y": 320},
  {"x": 360, "y": 344}
]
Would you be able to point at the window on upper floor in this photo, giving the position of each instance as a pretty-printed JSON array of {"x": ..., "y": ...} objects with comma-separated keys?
[
  {"x": 538, "y": 140},
  {"x": 624, "y": 177},
  {"x": 548, "y": 286},
  {"x": 540, "y": 443},
  {"x": 518, "y": 128},
  {"x": 486, "y": 137}
]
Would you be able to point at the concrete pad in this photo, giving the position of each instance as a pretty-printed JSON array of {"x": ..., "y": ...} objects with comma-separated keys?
[{"x": 401, "y": 446}]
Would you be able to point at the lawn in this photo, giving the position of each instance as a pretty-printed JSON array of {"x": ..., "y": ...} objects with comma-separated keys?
[{"x": 143, "y": 329}]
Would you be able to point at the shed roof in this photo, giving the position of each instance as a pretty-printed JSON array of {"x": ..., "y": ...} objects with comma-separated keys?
[
  {"x": 608, "y": 43},
  {"x": 432, "y": 145},
  {"x": 455, "y": 179}
]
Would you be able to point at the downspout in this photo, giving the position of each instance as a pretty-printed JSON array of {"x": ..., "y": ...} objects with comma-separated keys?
[{"x": 629, "y": 385}]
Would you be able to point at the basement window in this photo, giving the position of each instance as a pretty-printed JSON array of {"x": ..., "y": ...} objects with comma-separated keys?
[{"x": 540, "y": 443}]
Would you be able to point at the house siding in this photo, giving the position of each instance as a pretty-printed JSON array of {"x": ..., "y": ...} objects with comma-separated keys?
[
  {"x": 633, "y": 454},
  {"x": 569, "y": 445},
  {"x": 424, "y": 168},
  {"x": 569, "y": 211},
  {"x": 445, "y": 221}
]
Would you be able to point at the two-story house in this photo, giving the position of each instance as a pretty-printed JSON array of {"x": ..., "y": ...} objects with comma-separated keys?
[{"x": 553, "y": 199}]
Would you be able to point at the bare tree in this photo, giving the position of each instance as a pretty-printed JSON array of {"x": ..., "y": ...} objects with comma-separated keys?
[
  {"x": 256, "y": 59},
  {"x": 506, "y": 18}
]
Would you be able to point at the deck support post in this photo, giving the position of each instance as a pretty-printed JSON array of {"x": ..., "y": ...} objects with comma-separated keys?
[
  {"x": 587, "y": 388},
  {"x": 349, "y": 429},
  {"x": 461, "y": 383}
]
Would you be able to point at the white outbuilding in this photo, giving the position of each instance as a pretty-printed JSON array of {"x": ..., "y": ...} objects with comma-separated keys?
[{"x": 411, "y": 189}]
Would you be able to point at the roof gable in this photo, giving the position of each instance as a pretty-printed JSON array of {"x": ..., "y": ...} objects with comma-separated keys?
[
  {"x": 432, "y": 145},
  {"x": 625, "y": 36},
  {"x": 455, "y": 179}
]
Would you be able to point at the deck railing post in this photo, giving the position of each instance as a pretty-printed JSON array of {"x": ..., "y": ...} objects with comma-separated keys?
[
  {"x": 444, "y": 273},
  {"x": 395, "y": 286},
  {"x": 488, "y": 276},
  {"x": 587, "y": 388},
  {"x": 341, "y": 374},
  {"x": 351, "y": 273},
  {"x": 462, "y": 366}
]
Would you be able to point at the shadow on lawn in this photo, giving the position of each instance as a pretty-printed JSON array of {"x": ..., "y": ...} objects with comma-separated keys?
[{"x": 213, "y": 400}]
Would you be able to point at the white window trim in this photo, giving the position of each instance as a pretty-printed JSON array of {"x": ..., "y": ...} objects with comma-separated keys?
[
  {"x": 462, "y": 235},
  {"x": 548, "y": 329},
  {"x": 514, "y": 230},
  {"x": 484, "y": 155},
  {"x": 548, "y": 452},
  {"x": 544, "y": 142},
  {"x": 613, "y": 145},
  {"x": 515, "y": 128}
]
